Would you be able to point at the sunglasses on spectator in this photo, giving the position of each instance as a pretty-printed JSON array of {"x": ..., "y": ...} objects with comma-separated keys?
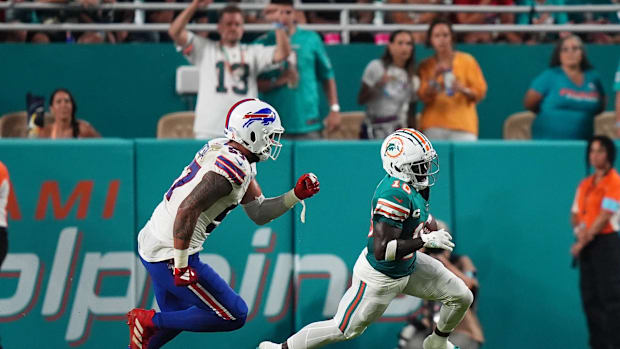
[{"x": 571, "y": 48}]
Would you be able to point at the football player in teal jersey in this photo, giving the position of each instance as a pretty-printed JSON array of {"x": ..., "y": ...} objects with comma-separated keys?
[{"x": 389, "y": 265}]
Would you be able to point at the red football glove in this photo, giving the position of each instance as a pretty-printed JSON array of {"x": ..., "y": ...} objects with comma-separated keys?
[
  {"x": 185, "y": 276},
  {"x": 307, "y": 185}
]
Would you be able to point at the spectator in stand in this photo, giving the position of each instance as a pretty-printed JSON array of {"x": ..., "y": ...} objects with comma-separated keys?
[
  {"x": 293, "y": 88},
  {"x": 389, "y": 85},
  {"x": 541, "y": 18},
  {"x": 54, "y": 17},
  {"x": 66, "y": 125},
  {"x": 567, "y": 96},
  {"x": 228, "y": 69},
  {"x": 15, "y": 16},
  {"x": 88, "y": 15},
  {"x": 325, "y": 17},
  {"x": 415, "y": 17},
  {"x": 597, "y": 18},
  {"x": 451, "y": 84},
  {"x": 102, "y": 17},
  {"x": 487, "y": 18},
  {"x": 269, "y": 14},
  {"x": 594, "y": 217},
  {"x": 362, "y": 17}
]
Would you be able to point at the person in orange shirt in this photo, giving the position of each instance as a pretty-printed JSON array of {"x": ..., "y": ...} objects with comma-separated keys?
[
  {"x": 5, "y": 189},
  {"x": 451, "y": 84},
  {"x": 597, "y": 246}
]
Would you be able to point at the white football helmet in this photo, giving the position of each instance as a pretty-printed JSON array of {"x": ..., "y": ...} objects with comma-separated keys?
[
  {"x": 255, "y": 125},
  {"x": 409, "y": 156}
]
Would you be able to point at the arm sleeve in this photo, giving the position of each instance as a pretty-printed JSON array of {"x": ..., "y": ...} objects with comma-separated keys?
[
  {"x": 263, "y": 211},
  {"x": 231, "y": 169},
  {"x": 542, "y": 83},
  {"x": 323, "y": 64},
  {"x": 194, "y": 49},
  {"x": 263, "y": 57},
  {"x": 392, "y": 207},
  {"x": 575, "y": 207},
  {"x": 425, "y": 74},
  {"x": 611, "y": 198},
  {"x": 476, "y": 82}
]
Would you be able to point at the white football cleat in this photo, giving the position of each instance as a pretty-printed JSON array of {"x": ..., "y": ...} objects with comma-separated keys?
[{"x": 269, "y": 345}]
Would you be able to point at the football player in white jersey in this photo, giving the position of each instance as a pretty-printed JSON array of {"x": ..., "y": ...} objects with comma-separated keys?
[
  {"x": 390, "y": 265},
  {"x": 191, "y": 296},
  {"x": 228, "y": 69}
]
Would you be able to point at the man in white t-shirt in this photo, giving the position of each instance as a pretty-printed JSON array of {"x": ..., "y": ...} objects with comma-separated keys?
[{"x": 228, "y": 69}]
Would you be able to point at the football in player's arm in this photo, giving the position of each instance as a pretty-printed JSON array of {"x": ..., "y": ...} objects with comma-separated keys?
[{"x": 389, "y": 265}]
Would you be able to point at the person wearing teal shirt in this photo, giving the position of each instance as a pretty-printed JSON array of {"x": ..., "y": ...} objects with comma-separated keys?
[
  {"x": 539, "y": 17},
  {"x": 567, "y": 96},
  {"x": 293, "y": 88}
]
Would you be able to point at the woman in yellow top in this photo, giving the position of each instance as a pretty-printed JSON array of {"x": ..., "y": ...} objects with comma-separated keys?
[{"x": 451, "y": 85}]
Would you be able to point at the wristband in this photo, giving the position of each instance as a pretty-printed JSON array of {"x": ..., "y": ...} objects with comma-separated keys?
[
  {"x": 335, "y": 108},
  {"x": 278, "y": 25},
  {"x": 290, "y": 199},
  {"x": 470, "y": 274},
  {"x": 180, "y": 258}
]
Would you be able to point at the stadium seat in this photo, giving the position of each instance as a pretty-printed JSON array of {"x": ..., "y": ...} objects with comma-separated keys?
[
  {"x": 187, "y": 78},
  {"x": 176, "y": 125},
  {"x": 350, "y": 126},
  {"x": 14, "y": 125},
  {"x": 519, "y": 125},
  {"x": 605, "y": 124}
]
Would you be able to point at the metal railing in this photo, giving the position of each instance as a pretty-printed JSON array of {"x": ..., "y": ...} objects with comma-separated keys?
[{"x": 344, "y": 27}]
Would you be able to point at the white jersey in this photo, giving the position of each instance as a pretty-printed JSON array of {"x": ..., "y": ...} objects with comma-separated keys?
[
  {"x": 397, "y": 92},
  {"x": 156, "y": 240},
  {"x": 227, "y": 75}
]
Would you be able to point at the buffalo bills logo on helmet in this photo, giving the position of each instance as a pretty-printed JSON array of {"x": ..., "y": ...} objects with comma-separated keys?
[{"x": 266, "y": 116}]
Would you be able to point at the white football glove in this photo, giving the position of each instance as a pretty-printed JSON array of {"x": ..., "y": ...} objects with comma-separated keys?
[{"x": 438, "y": 239}]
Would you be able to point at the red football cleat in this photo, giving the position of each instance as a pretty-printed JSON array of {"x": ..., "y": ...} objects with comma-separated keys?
[{"x": 141, "y": 328}]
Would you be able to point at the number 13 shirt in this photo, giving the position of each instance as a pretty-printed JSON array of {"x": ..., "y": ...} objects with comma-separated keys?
[{"x": 227, "y": 75}]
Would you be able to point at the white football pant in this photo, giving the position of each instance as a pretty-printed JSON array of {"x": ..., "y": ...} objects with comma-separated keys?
[{"x": 371, "y": 292}]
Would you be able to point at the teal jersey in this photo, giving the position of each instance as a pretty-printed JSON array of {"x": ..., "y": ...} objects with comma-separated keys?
[
  {"x": 617, "y": 79},
  {"x": 298, "y": 106},
  {"x": 558, "y": 17},
  {"x": 567, "y": 110},
  {"x": 397, "y": 204}
]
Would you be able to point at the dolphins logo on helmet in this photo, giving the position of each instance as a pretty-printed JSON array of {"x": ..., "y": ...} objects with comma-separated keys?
[{"x": 409, "y": 156}]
